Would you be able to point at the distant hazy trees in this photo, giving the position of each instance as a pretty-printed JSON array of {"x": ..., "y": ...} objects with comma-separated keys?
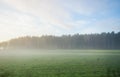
[{"x": 77, "y": 41}]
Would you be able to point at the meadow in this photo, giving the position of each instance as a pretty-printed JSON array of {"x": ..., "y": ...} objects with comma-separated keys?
[{"x": 60, "y": 63}]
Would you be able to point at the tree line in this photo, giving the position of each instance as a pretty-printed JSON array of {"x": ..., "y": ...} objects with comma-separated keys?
[{"x": 110, "y": 40}]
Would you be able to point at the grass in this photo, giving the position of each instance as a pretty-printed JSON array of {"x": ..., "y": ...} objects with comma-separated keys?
[{"x": 57, "y": 63}]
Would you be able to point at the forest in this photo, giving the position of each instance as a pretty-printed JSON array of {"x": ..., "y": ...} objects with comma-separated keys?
[{"x": 110, "y": 40}]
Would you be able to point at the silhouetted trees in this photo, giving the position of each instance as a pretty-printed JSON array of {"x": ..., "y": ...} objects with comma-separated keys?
[{"x": 77, "y": 41}]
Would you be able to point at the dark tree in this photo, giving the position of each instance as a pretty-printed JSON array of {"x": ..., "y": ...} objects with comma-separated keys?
[{"x": 77, "y": 41}]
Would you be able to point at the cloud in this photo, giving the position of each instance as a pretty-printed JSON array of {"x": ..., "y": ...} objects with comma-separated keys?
[
  {"x": 48, "y": 11},
  {"x": 56, "y": 17},
  {"x": 58, "y": 12}
]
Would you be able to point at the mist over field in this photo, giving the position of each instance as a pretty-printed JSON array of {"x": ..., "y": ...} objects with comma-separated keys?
[
  {"x": 71, "y": 56},
  {"x": 59, "y": 63}
]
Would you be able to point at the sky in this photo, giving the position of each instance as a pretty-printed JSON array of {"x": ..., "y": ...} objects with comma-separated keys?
[{"x": 57, "y": 17}]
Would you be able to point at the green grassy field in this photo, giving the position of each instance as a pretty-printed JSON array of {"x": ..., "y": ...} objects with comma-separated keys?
[{"x": 60, "y": 63}]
